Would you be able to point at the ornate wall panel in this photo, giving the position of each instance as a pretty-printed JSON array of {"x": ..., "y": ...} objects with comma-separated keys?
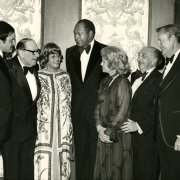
[
  {"x": 24, "y": 16},
  {"x": 123, "y": 23}
]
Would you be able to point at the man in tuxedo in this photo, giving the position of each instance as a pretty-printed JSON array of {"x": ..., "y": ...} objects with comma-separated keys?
[
  {"x": 7, "y": 43},
  {"x": 168, "y": 103},
  {"x": 83, "y": 64},
  {"x": 142, "y": 118},
  {"x": 19, "y": 149}
]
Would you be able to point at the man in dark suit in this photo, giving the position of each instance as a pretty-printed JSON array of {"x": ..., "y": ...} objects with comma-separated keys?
[
  {"x": 142, "y": 117},
  {"x": 83, "y": 64},
  {"x": 168, "y": 104},
  {"x": 7, "y": 43},
  {"x": 19, "y": 149}
]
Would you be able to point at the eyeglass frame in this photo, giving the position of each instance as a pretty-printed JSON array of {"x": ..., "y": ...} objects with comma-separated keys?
[{"x": 33, "y": 52}]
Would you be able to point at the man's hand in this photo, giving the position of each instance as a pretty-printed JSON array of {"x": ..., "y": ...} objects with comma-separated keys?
[
  {"x": 177, "y": 144},
  {"x": 129, "y": 126}
]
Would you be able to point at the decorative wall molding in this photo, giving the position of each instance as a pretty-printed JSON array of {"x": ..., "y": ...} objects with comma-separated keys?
[
  {"x": 25, "y": 17},
  {"x": 123, "y": 23}
]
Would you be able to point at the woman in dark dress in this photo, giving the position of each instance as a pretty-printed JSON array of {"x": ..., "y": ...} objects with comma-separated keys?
[{"x": 114, "y": 151}]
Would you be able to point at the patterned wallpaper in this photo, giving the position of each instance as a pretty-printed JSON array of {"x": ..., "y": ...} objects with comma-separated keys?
[
  {"x": 24, "y": 16},
  {"x": 123, "y": 23}
]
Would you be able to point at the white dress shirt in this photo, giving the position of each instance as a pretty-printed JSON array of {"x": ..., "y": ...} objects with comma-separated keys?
[
  {"x": 1, "y": 54},
  {"x": 139, "y": 81},
  {"x": 31, "y": 81},
  {"x": 85, "y": 60},
  {"x": 169, "y": 66}
]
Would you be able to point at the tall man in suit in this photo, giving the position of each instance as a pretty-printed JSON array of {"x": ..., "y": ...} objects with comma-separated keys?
[
  {"x": 83, "y": 64},
  {"x": 7, "y": 43},
  {"x": 19, "y": 149},
  {"x": 168, "y": 104},
  {"x": 142, "y": 118}
]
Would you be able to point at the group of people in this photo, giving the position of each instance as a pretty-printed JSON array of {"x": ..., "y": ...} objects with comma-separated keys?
[{"x": 123, "y": 125}]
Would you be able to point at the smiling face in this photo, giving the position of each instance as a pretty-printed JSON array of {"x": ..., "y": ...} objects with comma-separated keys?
[
  {"x": 146, "y": 59},
  {"x": 54, "y": 61},
  {"x": 81, "y": 35}
]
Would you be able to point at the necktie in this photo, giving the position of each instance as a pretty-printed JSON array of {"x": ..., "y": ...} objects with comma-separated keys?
[
  {"x": 30, "y": 69},
  {"x": 87, "y": 49},
  {"x": 169, "y": 60},
  {"x": 143, "y": 75}
]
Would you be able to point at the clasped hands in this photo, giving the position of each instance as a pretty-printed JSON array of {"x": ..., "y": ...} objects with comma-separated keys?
[{"x": 103, "y": 137}]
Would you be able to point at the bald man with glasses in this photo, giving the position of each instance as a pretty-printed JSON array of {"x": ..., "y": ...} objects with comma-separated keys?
[{"x": 19, "y": 149}]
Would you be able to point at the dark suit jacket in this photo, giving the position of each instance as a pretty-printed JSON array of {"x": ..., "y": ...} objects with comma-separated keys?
[
  {"x": 5, "y": 101},
  {"x": 143, "y": 111},
  {"x": 25, "y": 109},
  {"x": 84, "y": 94},
  {"x": 169, "y": 104}
]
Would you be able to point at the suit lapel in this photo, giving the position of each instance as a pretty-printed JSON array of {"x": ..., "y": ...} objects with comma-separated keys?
[
  {"x": 38, "y": 86},
  {"x": 18, "y": 73},
  {"x": 77, "y": 62},
  {"x": 4, "y": 68},
  {"x": 93, "y": 59},
  {"x": 171, "y": 76}
]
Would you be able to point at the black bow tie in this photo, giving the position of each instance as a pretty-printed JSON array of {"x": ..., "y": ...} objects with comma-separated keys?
[
  {"x": 30, "y": 69},
  {"x": 169, "y": 60},
  {"x": 143, "y": 75},
  {"x": 87, "y": 49}
]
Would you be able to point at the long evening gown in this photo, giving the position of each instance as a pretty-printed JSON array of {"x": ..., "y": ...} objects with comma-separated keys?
[
  {"x": 54, "y": 128},
  {"x": 114, "y": 160}
]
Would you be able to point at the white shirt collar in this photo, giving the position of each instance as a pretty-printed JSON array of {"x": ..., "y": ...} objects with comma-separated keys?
[
  {"x": 1, "y": 53},
  {"x": 92, "y": 44},
  {"x": 176, "y": 54}
]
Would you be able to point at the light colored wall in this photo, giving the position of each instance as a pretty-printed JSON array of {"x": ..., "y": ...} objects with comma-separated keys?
[
  {"x": 60, "y": 17},
  {"x": 120, "y": 23},
  {"x": 161, "y": 13}
]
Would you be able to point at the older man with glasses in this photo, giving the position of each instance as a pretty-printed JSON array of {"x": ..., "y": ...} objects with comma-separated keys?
[{"x": 19, "y": 149}]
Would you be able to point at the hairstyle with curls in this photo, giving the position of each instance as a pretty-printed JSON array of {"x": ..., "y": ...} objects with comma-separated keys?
[
  {"x": 114, "y": 56},
  {"x": 171, "y": 29},
  {"x": 49, "y": 48},
  {"x": 89, "y": 25},
  {"x": 5, "y": 30}
]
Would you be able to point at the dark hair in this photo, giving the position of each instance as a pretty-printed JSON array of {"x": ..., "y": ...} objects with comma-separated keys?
[
  {"x": 49, "y": 48},
  {"x": 5, "y": 30},
  {"x": 89, "y": 25},
  {"x": 171, "y": 29},
  {"x": 22, "y": 43}
]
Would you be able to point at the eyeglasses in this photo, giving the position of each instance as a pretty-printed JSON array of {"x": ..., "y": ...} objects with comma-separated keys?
[{"x": 38, "y": 51}]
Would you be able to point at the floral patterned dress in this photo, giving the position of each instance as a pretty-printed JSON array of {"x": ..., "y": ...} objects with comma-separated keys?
[
  {"x": 54, "y": 128},
  {"x": 114, "y": 160}
]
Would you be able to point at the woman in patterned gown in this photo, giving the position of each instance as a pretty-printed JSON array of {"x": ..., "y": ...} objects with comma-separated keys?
[
  {"x": 114, "y": 151},
  {"x": 54, "y": 128}
]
